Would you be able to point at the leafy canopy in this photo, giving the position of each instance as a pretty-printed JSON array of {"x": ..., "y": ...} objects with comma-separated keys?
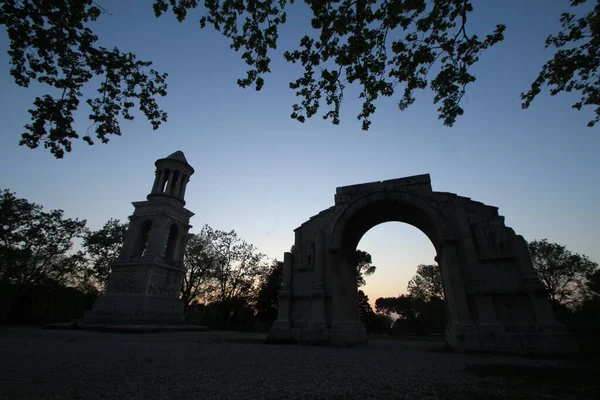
[
  {"x": 35, "y": 245},
  {"x": 427, "y": 283},
  {"x": 102, "y": 247},
  {"x": 364, "y": 266},
  {"x": 51, "y": 43},
  {"x": 382, "y": 46},
  {"x": 562, "y": 272},
  {"x": 576, "y": 64},
  {"x": 376, "y": 44}
]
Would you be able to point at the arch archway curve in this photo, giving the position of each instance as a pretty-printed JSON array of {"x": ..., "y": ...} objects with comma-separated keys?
[{"x": 369, "y": 210}]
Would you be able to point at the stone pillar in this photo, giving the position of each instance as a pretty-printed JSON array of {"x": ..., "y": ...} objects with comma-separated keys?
[
  {"x": 460, "y": 333},
  {"x": 346, "y": 327},
  {"x": 179, "y": 252},
  {"x": 181, "y": 189},
  {"x": 170, "y": 182},
  {"x": 176, "y": 183},
  {"x": 157, "y": 176},
  {"x": 281, "y": 328},
  {"x": 479, "y": 286},
  {"x": 318, "y": 294},
  {"x": 163, "y": 177}
]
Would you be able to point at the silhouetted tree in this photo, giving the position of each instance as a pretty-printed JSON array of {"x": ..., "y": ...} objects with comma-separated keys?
[
  {"x": 238, "y": 270},
  {"x": 427, "y": 283},
  {"x": 102, "y": 247},
  {"x": 562, "y": 272},
  {"x": 364, "y": 266},
  {"x": 401, "y": 305},
  {"x": 575, "y": 67},
  {"x": 593, "y": 283},
  {"x": 267, "y": 302},
  {"x": 52, "y": 43},
  {"x": 381, "y": 46},
  {"x": 35, "y": 246},
  {"x": 364, "y": 308},
  {"x": 385, "y": 322},
  {"x": 200, "y": 261},
  {"x": 372, "y": 322}
]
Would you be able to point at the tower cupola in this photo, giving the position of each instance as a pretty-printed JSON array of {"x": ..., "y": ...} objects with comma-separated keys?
[{"x": 172, "y": 176}]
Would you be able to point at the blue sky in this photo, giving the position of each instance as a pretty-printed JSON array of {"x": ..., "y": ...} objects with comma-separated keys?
[{"x": 263, "y": 174}]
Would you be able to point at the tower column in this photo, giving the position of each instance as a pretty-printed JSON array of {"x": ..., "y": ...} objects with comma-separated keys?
[
  {"x": 181, "y": 186},
  {"x": 163, "y": 178},
  {"x": 157, "y": 176},
  {"x": 178, "y": 184},
  {"x": 170, "y": 181}
]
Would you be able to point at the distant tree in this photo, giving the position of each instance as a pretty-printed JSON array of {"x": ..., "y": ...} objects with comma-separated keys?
[
  {"x": 200, "y": 261},
  {"x": 102, "y": 247},
  {"x": 401, "y": 305},
  {"x": 35, "y": 245},
  {"x": 385, "y": 322},
  {"x": 373, "y": 322},
  {"x": 562, "y": 272},
  {"x": 238, "y": 269},
  {"x": 364, "y": 266},
  {"x": 575, "y": 67},
  {"x": 35, "y": 248},
  {"x": 593, "y": 283},
  {"x": 364, "y": 308},
  {"x": 427, "y": 283},
  {"x": 267, "y": 302}
]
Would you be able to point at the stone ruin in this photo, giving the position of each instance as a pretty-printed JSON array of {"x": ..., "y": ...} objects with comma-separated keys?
[
  {"x": 145, "y": 280},
  {"x": 494, "y": 299}
]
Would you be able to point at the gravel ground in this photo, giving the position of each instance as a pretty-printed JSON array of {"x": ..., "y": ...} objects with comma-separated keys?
[{"x": 50, "y": 364}]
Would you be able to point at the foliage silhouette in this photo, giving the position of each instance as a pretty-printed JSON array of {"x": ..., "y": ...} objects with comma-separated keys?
[
  {"x": 562, "y": 272},
  {"x": 267, "y": 302},
  {"x": 102, "y": 247}
]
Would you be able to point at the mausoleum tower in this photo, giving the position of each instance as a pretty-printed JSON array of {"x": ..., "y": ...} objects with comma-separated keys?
[{"x": 145, "y": 280}]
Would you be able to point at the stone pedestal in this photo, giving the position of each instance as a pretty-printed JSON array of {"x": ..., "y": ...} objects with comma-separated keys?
[{"x": 140, "y": 293}]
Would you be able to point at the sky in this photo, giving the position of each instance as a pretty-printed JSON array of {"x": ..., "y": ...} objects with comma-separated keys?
[{"x": 263, "y": 174}]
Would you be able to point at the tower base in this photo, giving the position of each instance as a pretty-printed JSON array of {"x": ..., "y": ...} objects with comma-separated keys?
[{"x": 140, "y": 293}]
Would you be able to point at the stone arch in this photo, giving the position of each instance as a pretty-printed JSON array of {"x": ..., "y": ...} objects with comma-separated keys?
[
  {"x": 485, "y": 269},
  {"x": 382, "y": 206},
  {"x": 172, "y": 240},
  {"x": 385, "y": 206},
  {"x": 142, "y": 239}
]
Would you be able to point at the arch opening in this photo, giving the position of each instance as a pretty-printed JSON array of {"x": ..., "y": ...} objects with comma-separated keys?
[
  {"x": 171, "y": 242},
  {"x": 142, "y": 241},
  {"x": 385, "y": 210},
  {"x": 402, "y": 255}
]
